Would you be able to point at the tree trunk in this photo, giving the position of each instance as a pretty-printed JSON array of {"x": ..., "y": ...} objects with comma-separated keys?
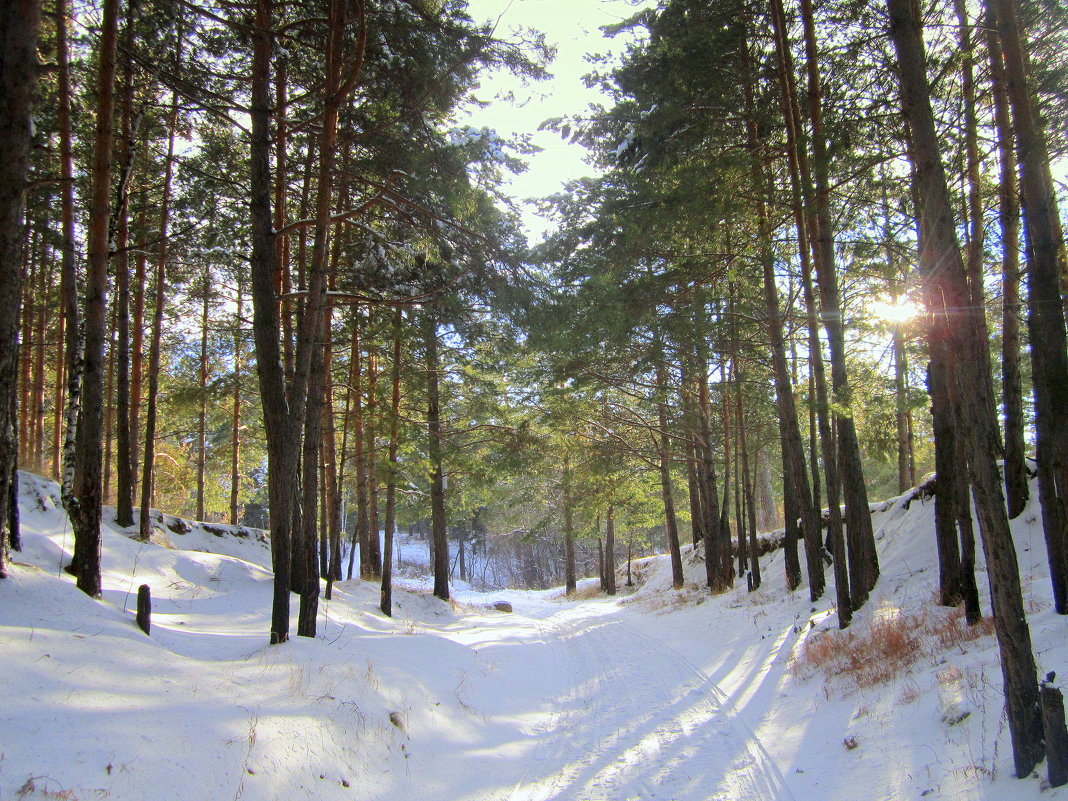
[
  {"x": 904, "y": 441},
  {"x": 968, "y": 588},
  {"x": 968, "y": 591},
  {"x": 570, "y": 584},
  {"x": 610, "y": 552},
  {"x": 905, "y": 479},
  {"x": 1017, "y": 490},
  {"x": 1045, "y": 319},
  {"x": 374, "y": 553},
  {"x": 266, "y": 328},
  {"x": 600, "y": 556},
  {"x": 88, "y": 451},
  {"x": 797, "y": 495},
  {"x": 72, "y": 343},
  {"x": 693, "y": 487},
  {"x": 124, "y": 485},
  {"x": 235, "y": 425},
  {"x": 343, "y": 462},
  {"x": 109, "y": 402},
  {"x": 38, "y": 403},
  {"x": 706, "y": 476},
  {"x": 305, "y": 395},
  {"x": 59, "y": 394},
  {"x": 974, "y": 205},
  {"x": 726, "y": 566},
  {"x": 202, "y": 411},
  {"x": 362, "y": 532},
  {"x": 18, "y": 71},
  {"x": 137, "y": 349},
  {"x": 808, "y": 233},
  {"x": 330, "y": 528},
  {"x": 307, "y": 553},
  {"x": 750, "y": 500},
  {"x": 152, "y": 411},
  {"x": 282, "y": 283},
  {"x": 30, "y": 247},
  {"x": 391, "y": 475},
  {"x": 124, "y": 488},
  {"x": 670, "y": 523},
  {"x": 946, "y": 294},
  {"x": 437, "y": 482},
  {"x": 330, "y": 546},
  {"x": 860, "y": 536}
]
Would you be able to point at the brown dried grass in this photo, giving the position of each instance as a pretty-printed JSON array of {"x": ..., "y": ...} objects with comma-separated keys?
[
  {"x": 582, "y": 593},
  {"x": 890, "y": 646}
]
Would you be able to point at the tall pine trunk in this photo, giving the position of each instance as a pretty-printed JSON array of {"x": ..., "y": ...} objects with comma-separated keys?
[
  {"x": 1045, "y": 318},
  {"x": 747, "y": 487},
  {"x": 362, "y": 531},
  {"x": 124, "y": 485},
  {"x": 946, "y": 294},
  {"x": 18, "y": 70},
  {"x": 88, "y": 450},
  {"x": 610, "y": 551},
  {"x": 864, "y": 561},
  {"x": 1017, "y": 490},
  {"x": 265, "y": 325},
  {"x": 974, "y": 270},
  {"x": 570, "y": 583},
  {"x": 374, "y": 552},
  {"x": 797, "y": 500},
  {"x": 152, "y": 403},
  {"x": 386, "y": 599},
  {"x": 435, "y": 452},
  {"x": 706, "y": 476},
  {"x": 72, "y": 331},
  {"x": 235, "y": 420},
  {"x": 306, "y": 390},
  {"x": 807, "y": 231},
  {"x": 202, "y": 410},
  {"x": 670, "y": 523},
  {"x": 137, "y": 349}
]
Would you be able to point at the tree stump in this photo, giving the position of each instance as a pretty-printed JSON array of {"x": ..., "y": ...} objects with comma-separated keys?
[
  {"x": 1055, "y": 733},
  {"x": 144, "y": 608}
]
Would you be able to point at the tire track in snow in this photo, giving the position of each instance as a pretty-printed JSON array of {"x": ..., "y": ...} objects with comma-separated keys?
[{"x": 640, "y": 722}]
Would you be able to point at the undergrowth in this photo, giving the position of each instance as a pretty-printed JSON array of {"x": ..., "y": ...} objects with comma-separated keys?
[
  {"x": 584, "y": 593},
  {"x": 891, "y": 644}
]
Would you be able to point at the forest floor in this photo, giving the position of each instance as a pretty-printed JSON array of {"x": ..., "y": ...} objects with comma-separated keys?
[{"x": 654, "y": 694}]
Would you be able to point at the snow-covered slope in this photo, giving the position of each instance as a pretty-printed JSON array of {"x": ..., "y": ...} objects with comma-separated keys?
[
  {"x": 931, "y": 726},
  {"x": 658, "y": 694}
]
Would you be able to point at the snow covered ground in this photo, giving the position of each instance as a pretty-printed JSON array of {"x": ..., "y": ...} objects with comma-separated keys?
[{"x": 656, "y": 694}]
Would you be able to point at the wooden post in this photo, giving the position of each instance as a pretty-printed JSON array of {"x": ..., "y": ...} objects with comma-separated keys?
[
  {"x": 1055, "y": 734},
  {"x": 144, "y": 608}
]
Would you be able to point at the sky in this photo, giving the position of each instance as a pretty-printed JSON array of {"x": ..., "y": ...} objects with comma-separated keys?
[{"x": 573, "y": 26}]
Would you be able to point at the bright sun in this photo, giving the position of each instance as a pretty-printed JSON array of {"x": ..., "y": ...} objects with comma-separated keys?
[{"x": 894, "y": 313}]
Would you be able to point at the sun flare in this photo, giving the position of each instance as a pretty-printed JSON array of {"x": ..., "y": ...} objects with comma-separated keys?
[{"x": 894, "y": 313}]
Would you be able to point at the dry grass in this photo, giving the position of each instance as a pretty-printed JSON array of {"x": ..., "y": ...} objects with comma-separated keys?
[
  {"x": 30, "y": 789},
  {"x": 584, "y": 593},
  {"x": 892, "y": 643},
  {"x": 952, "y": 629},
  {"x": 909, "y": 694},
  {"x": 671, "y": 600}
]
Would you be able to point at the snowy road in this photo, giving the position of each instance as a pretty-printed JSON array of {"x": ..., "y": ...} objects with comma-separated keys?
[{"x": 623, "y": 717}]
